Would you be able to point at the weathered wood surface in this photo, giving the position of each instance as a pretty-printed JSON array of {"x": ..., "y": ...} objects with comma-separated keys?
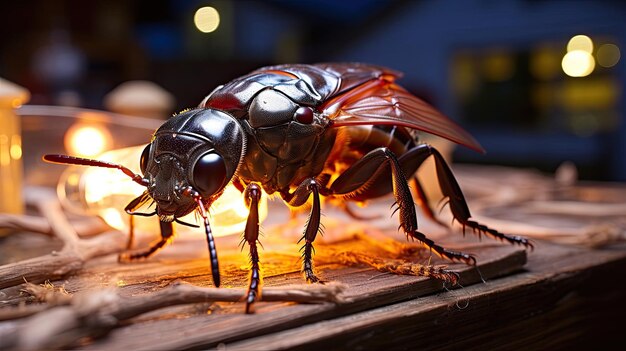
[
  {"x": 565, "y": 297},
  {"x": 367, "y": 289},
  {"x": 564, "y": 293}
]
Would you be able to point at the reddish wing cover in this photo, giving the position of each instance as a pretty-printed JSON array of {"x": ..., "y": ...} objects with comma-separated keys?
[
  {"x": 381, "y": 101},
  {"x": 350, "y": 94}
]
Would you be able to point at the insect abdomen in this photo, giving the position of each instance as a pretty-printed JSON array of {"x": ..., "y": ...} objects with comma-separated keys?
[{"x": 363, "y": 139}]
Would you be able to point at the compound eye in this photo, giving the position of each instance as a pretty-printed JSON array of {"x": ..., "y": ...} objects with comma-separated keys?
[
  {"x": 209, "y": 173},
  {"x": 145, "y": 157},
  {"x": 304, "y": 115}
]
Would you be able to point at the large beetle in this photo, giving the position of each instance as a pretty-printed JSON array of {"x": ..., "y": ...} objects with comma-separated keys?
[{"x": 344, "y": 131}]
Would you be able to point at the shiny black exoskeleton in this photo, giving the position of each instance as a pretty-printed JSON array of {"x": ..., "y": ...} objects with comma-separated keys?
[{"x": 342, "y": 131}]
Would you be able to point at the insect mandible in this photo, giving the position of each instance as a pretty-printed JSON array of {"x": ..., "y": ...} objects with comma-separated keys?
[{"x": 343, "y": 131}]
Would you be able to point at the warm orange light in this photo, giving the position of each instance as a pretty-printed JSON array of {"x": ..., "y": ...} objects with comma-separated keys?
[
  {"x": 87, "y": 139},
  {"x": 11, "y": 97},
  {"x": 16, "y": 147},
  {"x": 5, "y": 158},
  {"x": 105, "y": 192}
]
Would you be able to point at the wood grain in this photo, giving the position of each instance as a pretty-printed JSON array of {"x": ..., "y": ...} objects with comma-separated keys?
[{"x": 566, "y": 295}]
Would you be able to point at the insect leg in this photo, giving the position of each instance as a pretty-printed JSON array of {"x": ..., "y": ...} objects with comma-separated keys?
[
  {"x": 135, "y": 204},
  {"x": 298, "y": 198},
  {"x": 451, "y": 189},
  {"x": 365, "y": 171},
  {"x": 167, "y": 234},
  {"x": 131, "y": 233},
  {"x": 422, "y": 201},
  {"x": 251, "y": 235}
]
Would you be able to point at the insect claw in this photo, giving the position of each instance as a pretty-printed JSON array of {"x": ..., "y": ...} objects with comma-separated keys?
[
  {"x": 470, "y": 258},
  {"x": 454, "y": 277},
  {"x": 249, "y": 309}
]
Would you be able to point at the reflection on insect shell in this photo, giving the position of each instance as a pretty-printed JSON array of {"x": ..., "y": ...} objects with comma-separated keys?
[{"x": 105, "y": 192}]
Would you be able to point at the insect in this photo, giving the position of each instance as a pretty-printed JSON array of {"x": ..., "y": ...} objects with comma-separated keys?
[{"x": 343, "y": 131}]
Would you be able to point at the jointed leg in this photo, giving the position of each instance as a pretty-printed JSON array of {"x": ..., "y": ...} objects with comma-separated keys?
[
  {"x": 131, "y": 233},
  {"x": 251, "y": 235},
  {"x": 422, "y": 201},
  {"x": 408, "y": 218},
  {"x": 367, "y": 168},
  {"x": 451, "y": 189},
  {"x": 167, "y": 233},
  {"x": 131, "y": 209},
  {"x": 298, "y": 198},
  {"x": 355, "y": 180}
]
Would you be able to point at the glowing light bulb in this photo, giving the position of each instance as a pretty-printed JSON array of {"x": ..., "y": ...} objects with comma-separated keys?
[
  {"x": 87, "y": 139},
  {"x": 206, "y": 19},
  {"x": 105, "y": 192}
]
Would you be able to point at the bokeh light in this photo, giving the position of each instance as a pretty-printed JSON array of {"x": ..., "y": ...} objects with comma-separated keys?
[
  {"x": 498, "y": 66},
  {"x": 578, "y": 63},
  {"x": 545, "y": 63},
  {"x": 87, "y": 140},
  {"x": 206, "y": 19},
  {"x": 16, "y": 147},
  {"x": 608, "y": 55},
  {"x": 580, "y": 42}
]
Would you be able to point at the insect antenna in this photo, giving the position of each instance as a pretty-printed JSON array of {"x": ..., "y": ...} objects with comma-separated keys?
[{"x": 71, "y": 160}]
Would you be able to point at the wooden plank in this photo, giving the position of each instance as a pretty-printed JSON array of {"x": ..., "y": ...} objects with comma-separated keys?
[
  {"x": 185, "y": 327},
  {"x": 368, "y": 289},
  {"x": 494, "y": 315},
  {"x": 386, "y": 310}
]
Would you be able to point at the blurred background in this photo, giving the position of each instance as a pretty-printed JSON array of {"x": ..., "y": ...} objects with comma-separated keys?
[{"x": 536, "y": 82}]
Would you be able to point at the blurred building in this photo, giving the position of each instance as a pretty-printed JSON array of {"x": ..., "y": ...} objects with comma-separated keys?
[{"x": 497, "y": 67}]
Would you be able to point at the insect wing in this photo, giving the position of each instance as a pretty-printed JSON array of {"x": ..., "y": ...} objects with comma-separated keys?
[
  {"x": 381, "y": 101},
  {"x": 328, "y": 80}
]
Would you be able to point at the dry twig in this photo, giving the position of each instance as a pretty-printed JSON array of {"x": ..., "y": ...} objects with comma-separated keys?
[
  {"x": 95, "y": 313},
  {"x": 402, "y": 267},
  {"x": 41, "y": 225},
  {"x": 66, "y": 261},
  {"x": 61, "y": 263}
]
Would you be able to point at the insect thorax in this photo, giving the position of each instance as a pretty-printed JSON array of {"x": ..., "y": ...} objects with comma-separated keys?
[{"x": 281, "y": 157}]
